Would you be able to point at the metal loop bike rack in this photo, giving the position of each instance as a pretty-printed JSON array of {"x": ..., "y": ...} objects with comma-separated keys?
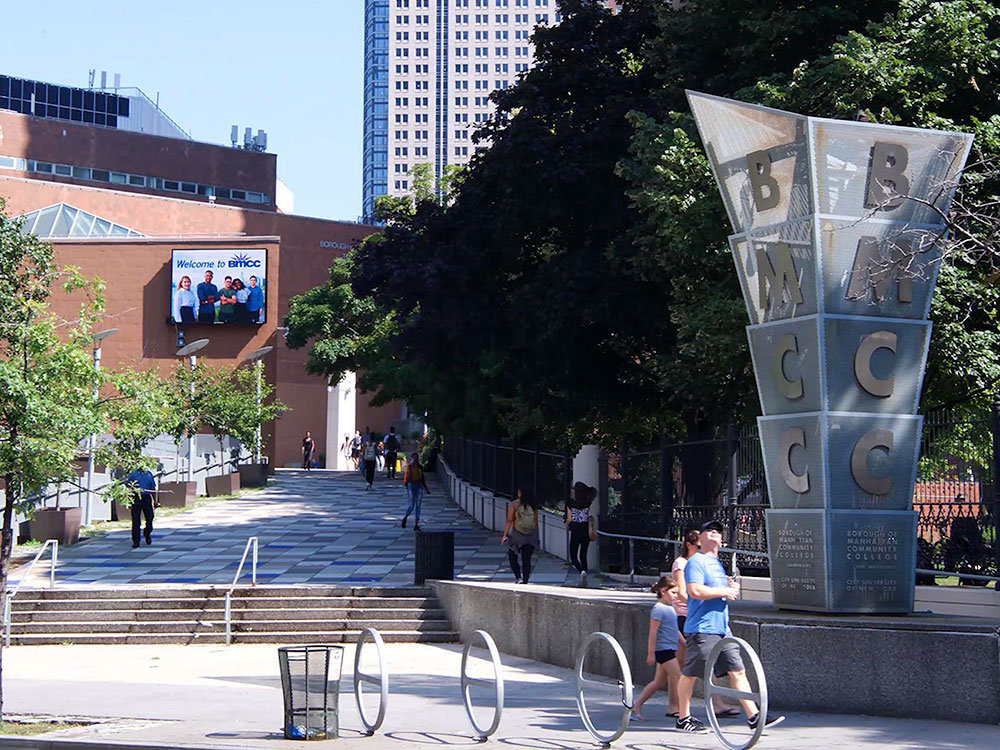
[
  {"x": 496, "y": 683},
  {"x": 760, "y": 697},
  {"x": 625, "y": 684},
  {"x": 382, "y": 681}
]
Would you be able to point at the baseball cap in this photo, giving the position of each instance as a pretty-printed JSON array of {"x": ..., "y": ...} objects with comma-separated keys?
[{"x": 713, "y": 526}]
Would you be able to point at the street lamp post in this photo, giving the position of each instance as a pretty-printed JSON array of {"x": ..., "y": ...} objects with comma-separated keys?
[
  {"x": 96, "y": 339},
  {"x": 255, "y": 357},
  {"x": 189, "y": 351}
]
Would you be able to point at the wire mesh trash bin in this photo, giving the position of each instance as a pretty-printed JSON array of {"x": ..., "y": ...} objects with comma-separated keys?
[{"x": 310, "y": 682}]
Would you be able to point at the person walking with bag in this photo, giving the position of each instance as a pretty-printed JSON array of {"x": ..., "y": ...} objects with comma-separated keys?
[
  {"x": 580, "y": 523},
  {"x": 520, "y": 534},
  {"x": 416, "y": 486},
  {"x": 143, "y": 485}
]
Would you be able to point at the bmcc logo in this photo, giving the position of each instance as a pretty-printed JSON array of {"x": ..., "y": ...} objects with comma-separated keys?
[{"x": 243, "y": 261}]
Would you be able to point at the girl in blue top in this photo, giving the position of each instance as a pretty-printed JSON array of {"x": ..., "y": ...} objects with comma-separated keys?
[{"x": 661, "y": 649}]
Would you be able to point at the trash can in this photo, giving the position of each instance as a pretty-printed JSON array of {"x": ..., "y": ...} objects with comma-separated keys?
[
  {"x": 434, "y": 556},
  {"x": 310, "y": 682}
]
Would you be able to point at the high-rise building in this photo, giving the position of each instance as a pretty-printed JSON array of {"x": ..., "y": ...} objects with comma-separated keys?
[{"x": 430, "y": 67}]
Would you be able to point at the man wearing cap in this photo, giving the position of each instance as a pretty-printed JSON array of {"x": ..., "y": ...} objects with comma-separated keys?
[{"x": 709, "y": 591}]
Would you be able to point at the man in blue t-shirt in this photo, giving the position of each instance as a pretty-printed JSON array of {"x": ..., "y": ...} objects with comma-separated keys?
[
  {"x": 143, "y": 484},
  {"x": 709, "y": 591}
]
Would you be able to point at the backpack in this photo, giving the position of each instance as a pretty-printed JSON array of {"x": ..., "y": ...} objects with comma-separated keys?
[
  {"x": 524, "y": 518},
  {"x": 391, "y": 443},
  {"x": 370, "y": 452}
]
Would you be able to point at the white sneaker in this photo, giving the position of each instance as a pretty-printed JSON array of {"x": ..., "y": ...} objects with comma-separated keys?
[{"x": 583, "y": 577}]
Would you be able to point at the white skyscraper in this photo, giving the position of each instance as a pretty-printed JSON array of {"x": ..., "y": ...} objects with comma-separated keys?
[{"x": 444, "y": 59}]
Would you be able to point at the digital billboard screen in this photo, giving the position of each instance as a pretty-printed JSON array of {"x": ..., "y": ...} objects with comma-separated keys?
[{"x": 218, "y": 287}]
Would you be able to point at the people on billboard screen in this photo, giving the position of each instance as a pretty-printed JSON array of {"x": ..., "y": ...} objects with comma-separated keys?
[{"x": 221, "y": 298}]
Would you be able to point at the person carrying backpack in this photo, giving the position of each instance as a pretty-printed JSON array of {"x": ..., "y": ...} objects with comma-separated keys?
[
  {"x": 391, "y": 443},
  {"x": 371, "y": 458},
  {"x": 520, "y": 534},
  {"x": 416, "y": 486}
]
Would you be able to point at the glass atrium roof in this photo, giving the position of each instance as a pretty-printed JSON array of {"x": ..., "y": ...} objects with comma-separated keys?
[{"x": 64, "y": 220}]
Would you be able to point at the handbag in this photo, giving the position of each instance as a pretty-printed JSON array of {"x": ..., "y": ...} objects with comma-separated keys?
[{"x": 593, "y": 531}]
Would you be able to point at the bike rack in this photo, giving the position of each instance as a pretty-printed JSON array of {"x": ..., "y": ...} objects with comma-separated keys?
[
  {"x": 382, "y": 681},
  {"x": 760, "y": 697},
  {"x": 625, "y": 683},
  {"x": 497, "y": 683}
]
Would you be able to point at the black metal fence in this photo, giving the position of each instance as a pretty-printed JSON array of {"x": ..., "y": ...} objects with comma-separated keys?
[{"x": 664, "y": 490}]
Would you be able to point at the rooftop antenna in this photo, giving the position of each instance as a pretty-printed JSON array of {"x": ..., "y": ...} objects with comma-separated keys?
[
  {"x": 261, "y": 140},
  {"x": 104, "y": 79},
  {"x": 235, "y": 135},
  {"x": 118, "y": 81},
  {"x": 247, "y": 137},
  {"x": 90, "y": 78}
]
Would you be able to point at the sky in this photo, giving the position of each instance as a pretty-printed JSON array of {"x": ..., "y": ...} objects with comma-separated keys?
[{"x": 292, "y": 68}]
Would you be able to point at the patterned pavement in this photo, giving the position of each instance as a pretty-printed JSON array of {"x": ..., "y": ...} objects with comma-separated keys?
[{"x": 319, "y": 527}]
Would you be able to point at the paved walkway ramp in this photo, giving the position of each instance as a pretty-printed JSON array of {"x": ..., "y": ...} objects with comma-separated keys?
[{"x": 314, "y": 528}]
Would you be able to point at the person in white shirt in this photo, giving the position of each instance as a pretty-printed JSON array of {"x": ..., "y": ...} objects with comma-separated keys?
[{"x": 184, "y": 301}]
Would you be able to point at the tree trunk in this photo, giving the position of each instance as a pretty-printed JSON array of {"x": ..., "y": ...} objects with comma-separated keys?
[{"x": 11, "y": 493}]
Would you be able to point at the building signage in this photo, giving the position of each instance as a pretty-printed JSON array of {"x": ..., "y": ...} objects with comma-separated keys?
[
  {"x": 224, "y": 286},
  {"x": 836, "y": 251}
]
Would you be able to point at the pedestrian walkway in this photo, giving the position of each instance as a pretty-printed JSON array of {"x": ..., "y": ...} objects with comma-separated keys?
[
  {"x": 220, "y": 698},
  {"x": 318, "y": 527}
]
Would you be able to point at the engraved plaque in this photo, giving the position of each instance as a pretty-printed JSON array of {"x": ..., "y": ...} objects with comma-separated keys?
[
  {"x": 872, "y": 561},
  {"x": 796, "y": 541}
]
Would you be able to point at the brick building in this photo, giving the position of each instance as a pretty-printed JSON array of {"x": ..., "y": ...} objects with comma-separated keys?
[{"x": 116, "y": 194}]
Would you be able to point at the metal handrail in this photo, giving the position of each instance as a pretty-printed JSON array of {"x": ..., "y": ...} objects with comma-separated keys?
[
  {"x": 8, "y": 599},
  {"x": 252, "y": 541},
  {"x": 766, "y": 556},
  {"x": 631, "y": 550}
]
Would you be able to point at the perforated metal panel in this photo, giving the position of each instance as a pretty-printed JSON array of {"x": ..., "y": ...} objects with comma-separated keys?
[{"x": 837, "y": 250}]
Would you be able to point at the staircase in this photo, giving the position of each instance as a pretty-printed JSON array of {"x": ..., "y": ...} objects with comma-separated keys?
[{"x": 260, "y": 614}]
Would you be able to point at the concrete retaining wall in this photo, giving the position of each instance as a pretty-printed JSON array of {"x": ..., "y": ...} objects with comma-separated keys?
[{"x": 921, "y": 666}]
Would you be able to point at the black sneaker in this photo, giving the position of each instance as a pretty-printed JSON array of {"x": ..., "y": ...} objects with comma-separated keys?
[
  {"x": 689, "y": 724},
  {"x": 402, "y": 524},
  {"x": 771, "y": 721}
]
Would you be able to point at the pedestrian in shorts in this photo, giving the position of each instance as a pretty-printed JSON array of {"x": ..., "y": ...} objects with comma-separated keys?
[{"x": 709, "y": 591}]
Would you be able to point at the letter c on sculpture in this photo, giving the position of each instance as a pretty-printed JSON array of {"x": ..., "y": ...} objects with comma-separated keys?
[
  {"x": 789, "y": 439},
  {"x": 863, "y": 363},
  {"x": 790, "y": 389},
  {"x": 859, "y": 462}
]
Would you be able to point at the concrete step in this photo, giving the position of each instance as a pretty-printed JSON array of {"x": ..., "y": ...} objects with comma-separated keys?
[
  {"x": 281, "y": 638},
  {"x": 202, "y": 592},
  {"x": 218, "y": 613},
  {"x": 295, "y": 603},
  {"x": 218, "y": 624}
]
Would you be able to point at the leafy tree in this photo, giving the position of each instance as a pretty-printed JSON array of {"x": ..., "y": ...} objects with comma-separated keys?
[
  {"x": 139, "y": 405},
  {"x": 578, "y": 283},
  {"x": 46, "y": 376}
]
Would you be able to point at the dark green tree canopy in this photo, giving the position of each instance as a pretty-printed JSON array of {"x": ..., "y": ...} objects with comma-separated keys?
[{"x": 578, "y": 284}]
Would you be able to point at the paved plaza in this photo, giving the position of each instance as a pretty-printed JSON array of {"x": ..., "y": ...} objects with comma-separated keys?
[
  {"x": 318, "y": 527},
  {"x": 230, "y": 697}
]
